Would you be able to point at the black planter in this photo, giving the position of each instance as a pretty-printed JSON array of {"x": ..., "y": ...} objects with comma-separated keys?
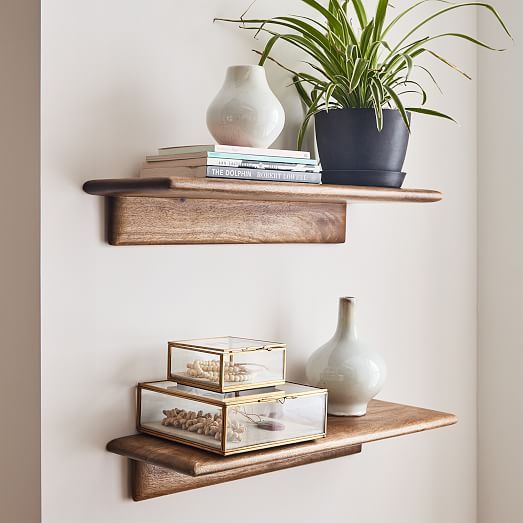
[{"x": 349, "y": 140}]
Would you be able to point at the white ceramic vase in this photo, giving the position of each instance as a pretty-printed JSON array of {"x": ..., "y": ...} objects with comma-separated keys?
[
  {"x": 345, "y": 366},
  {"x": 245, "y": 112}
]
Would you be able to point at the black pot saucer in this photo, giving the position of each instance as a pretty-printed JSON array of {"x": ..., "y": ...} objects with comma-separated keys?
[{"x": 390, "y": 179}]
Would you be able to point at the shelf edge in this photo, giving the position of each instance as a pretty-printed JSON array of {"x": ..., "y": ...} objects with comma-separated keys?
[{"x": 224, "y": 189}]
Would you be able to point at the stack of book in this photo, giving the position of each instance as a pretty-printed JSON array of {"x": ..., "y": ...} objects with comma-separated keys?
[{"x": 227, "y": 161}]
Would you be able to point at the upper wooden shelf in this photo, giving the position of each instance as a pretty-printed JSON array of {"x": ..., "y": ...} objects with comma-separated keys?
[
  {"x": 159, "y": 211},
  {"x": 223, "y": 189},
  {"x": 160, "y": 467}
]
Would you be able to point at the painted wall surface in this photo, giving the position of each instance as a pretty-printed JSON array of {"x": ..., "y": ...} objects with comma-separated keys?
[
  {"x": 500, "y": 470},
  {"x": 20, "y": 261},
  {"x": 122, "y": 78}
]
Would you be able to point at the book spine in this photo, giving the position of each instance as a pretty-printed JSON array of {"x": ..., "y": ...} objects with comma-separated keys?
[
  {"x": 232, "y": 156},
  {"x": 264, "y": 152},
  {"x": 262, "y": 158},
  {"x": 246, "y": 164},
  {"x": 263, "y": 175},
  {"x": 231, "y": 149}
]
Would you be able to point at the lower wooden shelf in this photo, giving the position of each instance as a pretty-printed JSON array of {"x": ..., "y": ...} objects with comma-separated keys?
[{"x": 159, "y": 467}]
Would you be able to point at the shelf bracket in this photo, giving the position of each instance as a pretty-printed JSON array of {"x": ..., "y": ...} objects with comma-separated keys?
[
  {"x": 141, "y": 220},
  {"x": 150, "y": 481}
]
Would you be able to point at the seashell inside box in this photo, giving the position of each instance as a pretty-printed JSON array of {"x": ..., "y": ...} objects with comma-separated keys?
[
  {"x": 232, "y": 422},
  {"x": 227, "y": 364}
]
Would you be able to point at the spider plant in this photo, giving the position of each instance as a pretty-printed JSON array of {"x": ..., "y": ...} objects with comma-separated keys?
[{"x": 350, "y": 59}]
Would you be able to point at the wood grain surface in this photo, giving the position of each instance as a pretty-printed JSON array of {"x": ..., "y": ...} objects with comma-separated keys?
[
  {"x": 150, "y": 481},
  {"x": 158, "y": 458},
  {"x": 209, "y": 188},
  {"x": 161, "y": 221}
]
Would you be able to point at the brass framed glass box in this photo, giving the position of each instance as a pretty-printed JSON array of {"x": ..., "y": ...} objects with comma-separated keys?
[
  {"x": 232, "y": 422},
  {"x": 227, "y": 364}
]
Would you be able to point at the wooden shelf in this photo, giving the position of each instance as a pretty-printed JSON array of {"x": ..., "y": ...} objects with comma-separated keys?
[
  {"x": 152, "y": 211},
  {"x": 159, "y": 467},
  {"x": 223, "y": 189}
]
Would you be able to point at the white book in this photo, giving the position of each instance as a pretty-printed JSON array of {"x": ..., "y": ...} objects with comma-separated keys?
[{"x": 236, "y": 149}]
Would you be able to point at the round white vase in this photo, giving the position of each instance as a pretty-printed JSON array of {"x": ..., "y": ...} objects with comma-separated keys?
[
  {"x": 345, "y": 366},
  {"x": 245, "y": 112}
]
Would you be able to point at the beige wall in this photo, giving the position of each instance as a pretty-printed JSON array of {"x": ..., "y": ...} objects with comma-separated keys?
[
  {"x": 122, "y": 78},
  {"x": 20, "y": 261},
  {"x": 500, "y": 275}
]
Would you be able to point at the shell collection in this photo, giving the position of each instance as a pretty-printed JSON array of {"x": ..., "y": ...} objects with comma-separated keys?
[
  {"x": 210, "y": 370},
  {"x": 208, "y": 424}
]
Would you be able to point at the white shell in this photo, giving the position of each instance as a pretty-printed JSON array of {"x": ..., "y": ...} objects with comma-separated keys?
[
  {"x": 351, "y": 372},
  {"x": 245, "y": 112}
]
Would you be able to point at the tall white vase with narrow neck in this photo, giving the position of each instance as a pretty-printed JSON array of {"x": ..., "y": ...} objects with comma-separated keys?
[
  {"x": 345, "y": 366},
  {"x": 245, "y": 112}
]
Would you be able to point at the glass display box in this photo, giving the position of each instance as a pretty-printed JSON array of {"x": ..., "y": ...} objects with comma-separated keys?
[
  {"x": 227, "y": 364},
  {"x": 232, "y": 422}
]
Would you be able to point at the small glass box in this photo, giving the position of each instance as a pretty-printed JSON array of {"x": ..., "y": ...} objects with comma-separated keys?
[
  {"x": 226, "y": 364},
  {"x": 232, "y": 422}
]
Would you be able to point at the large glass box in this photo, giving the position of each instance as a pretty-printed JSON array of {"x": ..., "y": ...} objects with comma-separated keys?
[
  {"x": 226, "y": 364},
  {"x": 232, "y": 422}
]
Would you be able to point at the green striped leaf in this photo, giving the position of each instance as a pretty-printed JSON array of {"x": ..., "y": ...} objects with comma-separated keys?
[
  {"x": 360, "y": 12},
  {"x": 430, "y": 112},
  {"x": 399, "y": 105},
  {"x": 379, "y": 19}
]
